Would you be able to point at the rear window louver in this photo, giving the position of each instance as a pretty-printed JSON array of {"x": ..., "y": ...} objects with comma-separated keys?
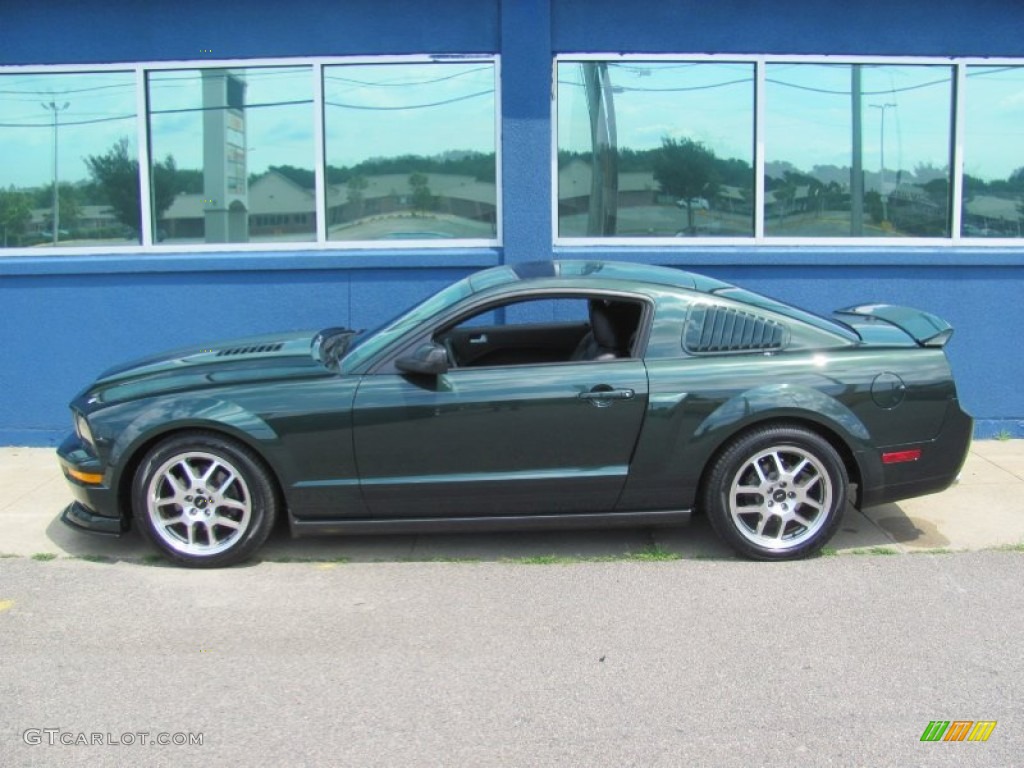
[
  {"x": 723, "y": 329},
  {"x": 251, "y": 350}
]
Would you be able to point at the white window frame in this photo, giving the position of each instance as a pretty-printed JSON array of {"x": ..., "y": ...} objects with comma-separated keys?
[
  {"x": 320, "y": 243},
  {"x": 759, "y": 238}
]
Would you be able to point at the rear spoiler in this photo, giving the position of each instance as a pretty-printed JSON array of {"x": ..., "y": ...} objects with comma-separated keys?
[{"x": 923, "y": 327}]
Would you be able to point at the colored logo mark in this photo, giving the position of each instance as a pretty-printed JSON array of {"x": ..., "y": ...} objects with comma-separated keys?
[{"x": 958, "y": 730}]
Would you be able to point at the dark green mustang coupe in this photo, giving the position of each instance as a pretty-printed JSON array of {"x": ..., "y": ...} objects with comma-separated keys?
[{"x": 542, "y": 395}]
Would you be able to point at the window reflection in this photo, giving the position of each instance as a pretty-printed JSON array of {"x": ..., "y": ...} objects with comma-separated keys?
[
  {"x": 232, "y": 155},
  {"x": 410, "y": 151},
  {"x": 68, "y": 163},
  {"x": 857, "y": 150},
  {"x": 653, "y": 149},
  {"x": 993, "y": 198}
]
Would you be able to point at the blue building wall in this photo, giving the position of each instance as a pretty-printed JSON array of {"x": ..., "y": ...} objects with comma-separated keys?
[{"x": 65, "y": 318}]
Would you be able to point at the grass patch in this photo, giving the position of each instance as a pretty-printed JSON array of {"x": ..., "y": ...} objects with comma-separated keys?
[
  {"x": 1004, "y": 435},
  {"x": 874, "y": 551},
  {"x": 6, "y": 555},
  {"x": 1011, "y": 547},
  {"x": 44, "y": 557},
  {"x": 650, "y": 555},
  {"x": 936, "y": 551},
  {"x": 448, "y": 559},
  {"x": 828, "y": 552},
  {"x": 93, "y": 558},
  {"x": 300, "y": 559},
  {"x": 653, "y": 555}
]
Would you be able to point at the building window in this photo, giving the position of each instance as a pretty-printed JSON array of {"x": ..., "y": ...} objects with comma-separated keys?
[
  {"x": 68, "y": 160},
  {"x": 768, "y": 149},
  {"x": 232, "y": 155},
  {"x": 410, "y": 151},
  {"x": 993, "y": 196},
  {"x": 655, "y": 149},
  {"x": 857, "y": 150}
]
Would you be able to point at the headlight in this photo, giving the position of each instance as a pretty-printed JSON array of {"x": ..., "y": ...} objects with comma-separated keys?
[{"x": 82, "y": 430}]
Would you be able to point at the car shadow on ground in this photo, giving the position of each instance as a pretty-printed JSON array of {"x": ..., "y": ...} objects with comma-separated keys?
[{"x": 880, "y": 528}]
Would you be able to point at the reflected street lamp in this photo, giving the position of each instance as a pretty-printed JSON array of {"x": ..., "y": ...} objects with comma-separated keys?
[
  {"x": 881, "y": 150},
  {"x": 52, "y": 106}
]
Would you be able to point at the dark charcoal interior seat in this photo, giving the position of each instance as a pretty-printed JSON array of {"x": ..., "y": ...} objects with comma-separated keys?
[{"x": 613, "y": 326}]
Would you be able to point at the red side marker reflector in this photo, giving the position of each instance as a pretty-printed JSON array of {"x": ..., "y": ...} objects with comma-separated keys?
[{"x": 899, "y": 457}]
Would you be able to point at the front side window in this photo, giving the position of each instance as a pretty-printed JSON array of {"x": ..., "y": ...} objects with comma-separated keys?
[
  {"x": 232, "y": 155},
  {"x": 857, "y": 150},
  {"x": 993, "y": 197},
  {"x": 655, "y": 149},
  {"x": 68, "y": 160},
  {"x": 410, "y": 151}
]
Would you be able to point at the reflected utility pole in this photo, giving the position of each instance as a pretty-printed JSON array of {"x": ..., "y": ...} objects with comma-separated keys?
[
  {"x": 857, "y": 161},
  {"x": 604, "y": 180},
  {"x": 55, "y": 224}
]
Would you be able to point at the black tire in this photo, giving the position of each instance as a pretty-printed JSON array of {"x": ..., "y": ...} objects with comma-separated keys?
[
  {"x": 776, "y": 493},
  {"x": 203, "y": 500}
]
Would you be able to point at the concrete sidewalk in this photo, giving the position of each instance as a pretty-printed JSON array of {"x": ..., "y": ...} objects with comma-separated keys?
[{"x": 985, "y": 510}]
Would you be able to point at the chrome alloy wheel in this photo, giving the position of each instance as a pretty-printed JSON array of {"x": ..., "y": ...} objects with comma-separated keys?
[
  {"x": 198, "y": 503},
  {"x": 780, "y": 497}
]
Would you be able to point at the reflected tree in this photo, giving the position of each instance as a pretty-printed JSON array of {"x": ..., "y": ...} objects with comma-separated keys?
[
  {"x": 356, "y": 187},
  {"x": 422, "y": 199},
  {"x": 15, "y": 215},
  {"x": 685, "y": 169},
  {"x": 116, "y": 174}
]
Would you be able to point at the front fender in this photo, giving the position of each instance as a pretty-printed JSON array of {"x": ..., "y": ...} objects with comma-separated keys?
[{"x": 133, "y": 426}]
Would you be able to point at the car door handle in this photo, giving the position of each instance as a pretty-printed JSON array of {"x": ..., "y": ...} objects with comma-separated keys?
[
  {"x": 603, "y": 395},
  {"x": 480, "y": 338}
]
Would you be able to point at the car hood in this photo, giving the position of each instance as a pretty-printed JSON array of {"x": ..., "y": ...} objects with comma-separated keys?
[{"x": 238, "y": 361}]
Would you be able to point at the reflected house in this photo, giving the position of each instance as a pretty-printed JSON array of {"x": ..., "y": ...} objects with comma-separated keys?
[
  {"x": 280, "y": 206},
  {"x": 89, "y": 219},
  {"x": 636, "y": 188},
  {"x": 457, "y": 195},
  {"x": 780, "y": 204},
  {"x": 989, "y": 215}
]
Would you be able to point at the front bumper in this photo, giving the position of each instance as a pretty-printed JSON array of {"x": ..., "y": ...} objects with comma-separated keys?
[
  {"x": 96, "y": 507},
  {"x": 76, "y": 515}
]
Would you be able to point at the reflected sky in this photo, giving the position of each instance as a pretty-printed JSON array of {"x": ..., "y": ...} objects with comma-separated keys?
[
  {"x": 100, "y": 111},
  {"x": 709, "y": 102},
  {"x": 994, "y": 122},
  {"x": 389, "y": 110},
  {"x": 279, "y": 116},
  {"x": 808, "y": 115}
]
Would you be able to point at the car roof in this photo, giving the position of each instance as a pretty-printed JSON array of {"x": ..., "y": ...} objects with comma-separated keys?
[
  {"x": 652, "y": 275},
  {"x": 615, "y": 270}
]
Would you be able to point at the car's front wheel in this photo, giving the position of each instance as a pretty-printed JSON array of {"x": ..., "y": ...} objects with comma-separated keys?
[
  {"x": 776, "y": 493},
  {"x": 203, "y": 500}
]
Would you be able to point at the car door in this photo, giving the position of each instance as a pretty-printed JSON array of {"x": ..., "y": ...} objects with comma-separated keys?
[
  {"x": 515, "y": 439},
  {"x": 504, "y": 440}
]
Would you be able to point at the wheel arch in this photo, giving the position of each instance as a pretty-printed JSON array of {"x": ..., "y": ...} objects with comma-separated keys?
[
  {"x": 827, "y": 432},
  {"x": 134, "y": 454}
]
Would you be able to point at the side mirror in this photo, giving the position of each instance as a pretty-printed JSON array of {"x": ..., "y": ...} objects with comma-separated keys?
[{"x": 430, "y": 360}]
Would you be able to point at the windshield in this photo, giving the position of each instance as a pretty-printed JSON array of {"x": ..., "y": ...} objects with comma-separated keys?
[{"x": 368, "y": 343}]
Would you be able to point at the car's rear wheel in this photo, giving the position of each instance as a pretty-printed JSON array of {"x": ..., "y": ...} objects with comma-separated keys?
[
  {"x": 777, "y": 493},
  {"x": 203, "y": 500}
]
